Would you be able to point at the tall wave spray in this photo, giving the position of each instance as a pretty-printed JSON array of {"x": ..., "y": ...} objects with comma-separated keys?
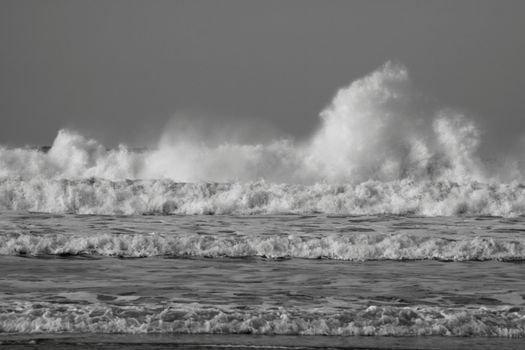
[
  {"x": 377, "y": 151},
  {"x": 372, "y": 131}
]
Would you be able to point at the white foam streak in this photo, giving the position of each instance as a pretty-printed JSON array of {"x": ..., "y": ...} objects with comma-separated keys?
[
  {"x": 355, "y": 247},
  {"x": 42, "y": 317},
  {"x": 96, "y": 196}
]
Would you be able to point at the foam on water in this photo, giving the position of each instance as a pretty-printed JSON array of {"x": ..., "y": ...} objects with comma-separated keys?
[
  {"x": 97, "y": 196},
  {"x": 357, "y": 246},
  {"x": 26, "y": 317},
  {"x": 377, "y": 151}
]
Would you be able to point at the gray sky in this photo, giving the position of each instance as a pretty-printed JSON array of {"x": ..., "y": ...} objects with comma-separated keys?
[{"x": 119, "y": 70}]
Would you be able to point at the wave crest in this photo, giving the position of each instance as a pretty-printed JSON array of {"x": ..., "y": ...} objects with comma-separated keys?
[
  {"x": 374, "y": 129},
  {"x": 98, "y": 196},
  {"x": 19, "y": 317},
  {"x": 355, "y": 246}
]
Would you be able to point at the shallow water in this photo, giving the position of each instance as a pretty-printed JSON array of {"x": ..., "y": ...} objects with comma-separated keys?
[
  {"x": 268, "y": 275},
  {"x": 340, "y": 237},
  {"x": 243, "y": 341}
]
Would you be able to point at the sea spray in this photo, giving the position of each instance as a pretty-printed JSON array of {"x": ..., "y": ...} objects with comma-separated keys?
[
  {"x": 377, "y": 151},
  {"x": 374, "y": 129}
]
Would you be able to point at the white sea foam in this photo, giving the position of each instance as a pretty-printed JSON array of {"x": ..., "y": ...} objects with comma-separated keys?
[
  {"x": 97, "y": 196},
  {"x": 391, "y": 154},
  {"x": 355, "y": 246},
  {"x": 25, "y": 317}
]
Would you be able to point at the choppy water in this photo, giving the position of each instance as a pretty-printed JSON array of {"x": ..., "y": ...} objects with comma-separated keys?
[
  {"x": 387, "y": 221},
  {"x": 288, "y": 274}
]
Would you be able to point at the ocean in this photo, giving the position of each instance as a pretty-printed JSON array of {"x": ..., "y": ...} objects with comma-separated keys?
[
  {"x": 338, "y": 276},
  {"x": 380, "y": 232}
]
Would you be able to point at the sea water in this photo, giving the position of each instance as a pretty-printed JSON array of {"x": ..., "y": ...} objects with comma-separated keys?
[
  {"x": 306, "y": 275},
  {"x": 386, "y": 229}
]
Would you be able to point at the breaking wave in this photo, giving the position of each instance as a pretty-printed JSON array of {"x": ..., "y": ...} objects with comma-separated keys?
[
  {"x": 98, "y": 196},
  {"x": 356, "y": 246},
  {"x": 374, "y": 129},
  {"x": 390, "y": 153},
  {"x": 25, "y": 317}
]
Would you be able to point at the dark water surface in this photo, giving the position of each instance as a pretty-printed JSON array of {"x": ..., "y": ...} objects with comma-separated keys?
[
  {"x": 287, "y": 281},
  {"x": 235, "y": 341}
]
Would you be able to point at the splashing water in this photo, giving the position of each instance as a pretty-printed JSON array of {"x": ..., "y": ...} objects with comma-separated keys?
[
  {"x": 447, "y": 263},
  {"x": 373, "y": 138}
]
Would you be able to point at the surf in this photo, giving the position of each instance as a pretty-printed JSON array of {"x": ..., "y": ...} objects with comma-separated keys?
[{"x": 378, "y": 150}]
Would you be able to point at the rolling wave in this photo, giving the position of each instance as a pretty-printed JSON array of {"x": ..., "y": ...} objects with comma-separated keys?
[
  {"x": 355, "y": 247},
  {"x": 99, "y": 196}
]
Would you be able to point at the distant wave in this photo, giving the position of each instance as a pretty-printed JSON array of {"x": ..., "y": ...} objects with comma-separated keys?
[
  {"x": 374, "y": 129},
  {"x": 377, "y": 151},
  {"x": 25, "y": 317},
  {"x": 355, "y": 246},
  {"x": 98, "y": 196}
]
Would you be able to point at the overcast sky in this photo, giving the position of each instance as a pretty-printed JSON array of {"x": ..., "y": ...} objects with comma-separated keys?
[{"x": 120, "y": 70}]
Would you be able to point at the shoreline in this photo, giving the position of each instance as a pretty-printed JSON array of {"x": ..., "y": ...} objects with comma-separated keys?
[{"x": 244, "y": 341}]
